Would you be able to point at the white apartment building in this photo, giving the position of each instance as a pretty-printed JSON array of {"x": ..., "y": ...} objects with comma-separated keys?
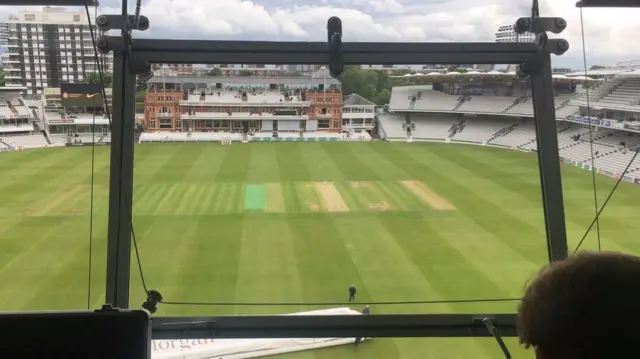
[
  {"x": 178, "y": 69},
  {"x": 49, "y": 47},
  {"x": 505, "y": 33}
]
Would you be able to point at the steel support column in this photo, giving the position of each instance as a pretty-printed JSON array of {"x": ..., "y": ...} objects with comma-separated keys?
[
  {"x": 549, "y": 161},
  {"x": 120, "y": 183}
]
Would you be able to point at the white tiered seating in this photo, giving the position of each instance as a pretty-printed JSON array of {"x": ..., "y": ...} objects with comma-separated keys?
[
  {"x": 486, "y": 104},
  {"x": 630, "y": 139},
  {"x": 23, "y": 110},
  {"x": 523, "y": 133},
  {"x": 627, "y": 93},
  {"x": 435, "y": 101},
  {"x": 565, "y": 111},
  {"x": 432, "y": 126},
  {"x": 5, "y": 111},
  {"x": 26, "y": 141},
  {"x": 401, "y": 97},
  {"x": 480, "y": 130},
  {"x": 392, "y": 126},
  {"x": 524, "y": 108}
]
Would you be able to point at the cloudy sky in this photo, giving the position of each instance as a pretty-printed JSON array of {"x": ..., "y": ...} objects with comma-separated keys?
[{"x": 612, "y": 35}]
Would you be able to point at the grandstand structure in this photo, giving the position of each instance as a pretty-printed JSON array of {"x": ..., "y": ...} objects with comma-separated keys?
[
  {"x": 74, "y": 125},
  {"x": 20, "y": 125},
  {"x": 243, "y": 109},
  {"x": 496, "y": 109},
  {"x": 358, "y": 114},
  {"x": 50, "y": 121}
]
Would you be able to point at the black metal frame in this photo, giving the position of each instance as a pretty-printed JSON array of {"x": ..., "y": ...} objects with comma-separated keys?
[
  {"x": 608, "y": 3},
  {"x": 132, "y": 58}
]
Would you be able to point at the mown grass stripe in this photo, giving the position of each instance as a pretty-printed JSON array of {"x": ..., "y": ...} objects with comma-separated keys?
[
  {"x": 274, "y": 200},
  {"x": 254, "y": 197}
]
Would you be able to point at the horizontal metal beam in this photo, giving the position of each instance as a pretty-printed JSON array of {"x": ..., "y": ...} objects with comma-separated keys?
[
  {"x": 609, "y": 3},
  {"x": 335, "y": 326},
  {"x": 235, "y": 52},
  {"x": 49, "y": 2}
]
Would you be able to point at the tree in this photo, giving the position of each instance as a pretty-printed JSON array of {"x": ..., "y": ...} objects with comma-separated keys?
[
  {"x": 596, "y": 67},
  {"x": 400, "y": 72},
  {"x": 245, "y": 73},
  {"x": 383, "y": 97},
  {"x": 374, "y": 85},
  {"x": 141, "y": 95},
  {"x": 94, "y": 78},
  {"x": 215, "y": 72}
]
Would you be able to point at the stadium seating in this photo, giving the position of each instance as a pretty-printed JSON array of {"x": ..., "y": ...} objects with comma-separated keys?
[
  {"x": 435, "y": 101},
  {"x": 486, "y": 104},
  {"x": 522, "y": 133},
  {"x": 16, "y": 128},
  {"x": 610, "y": 155},
  {"x": 437, "y": 127},
  {"x": 428, "y": 100},
  {"x": 391, "y": 126},
  {"x": 26, "y": 141},
  {"x": 401, "y": 97},
  {"x": 5, "y": 111},
  {"x": 523, "y": 108},
  {"x": 480, "y": 129},
  {"x": 626, "y": 93}
]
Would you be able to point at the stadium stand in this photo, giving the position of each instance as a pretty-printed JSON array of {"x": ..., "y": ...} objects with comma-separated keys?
[
  {"x": 496, "y": 111},
  {"x": 73, "y": 125},
  {"x": 472, "y": 130},
  {"x": 486, "y": 104},
  {"x": 19, "y": 125},
  {"x": 252, "y": 109}
]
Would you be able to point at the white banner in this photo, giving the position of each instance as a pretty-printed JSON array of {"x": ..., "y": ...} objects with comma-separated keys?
[{"x": 246, "y": 348}]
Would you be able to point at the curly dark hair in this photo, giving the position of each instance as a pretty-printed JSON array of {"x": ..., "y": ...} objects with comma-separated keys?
[{"x": 585, "y": 307}]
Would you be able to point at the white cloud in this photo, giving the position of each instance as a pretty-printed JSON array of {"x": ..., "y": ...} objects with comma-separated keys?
[
  {"x": 386, "y": 6},
  {"x": 293, "y": 29},
  {"x": 611, "y": 34}
]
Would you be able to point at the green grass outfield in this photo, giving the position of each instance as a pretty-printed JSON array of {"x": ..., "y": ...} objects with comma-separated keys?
[{"x": 299, "y": 222}]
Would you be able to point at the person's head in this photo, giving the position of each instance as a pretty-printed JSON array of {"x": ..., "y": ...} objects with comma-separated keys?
[
  {"x": 585, "y": 307},
  {"x": 367, "y": 306}
]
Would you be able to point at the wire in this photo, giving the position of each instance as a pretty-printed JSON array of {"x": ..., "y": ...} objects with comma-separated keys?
[
  {"x": 93, "y": 166},
  {"x": 91, "y": 205},
  {"x": 278, "y": 304},
  {"x": 606, "y": 201},
  {"x": 593, "y": 160},
  {"x": 615, "y": 187},
  {"x": 108, "y": 113}
]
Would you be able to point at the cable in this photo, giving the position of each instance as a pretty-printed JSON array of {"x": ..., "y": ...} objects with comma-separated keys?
[
  {"x": 593, "y": 160},
  {"x": 108, "y": 113},
  {"x": 91, "y": 205},
  {"x": 278, "y": 304},
  {"x": 93, "y": 166},
  {"x": 606, "y": 201}
]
